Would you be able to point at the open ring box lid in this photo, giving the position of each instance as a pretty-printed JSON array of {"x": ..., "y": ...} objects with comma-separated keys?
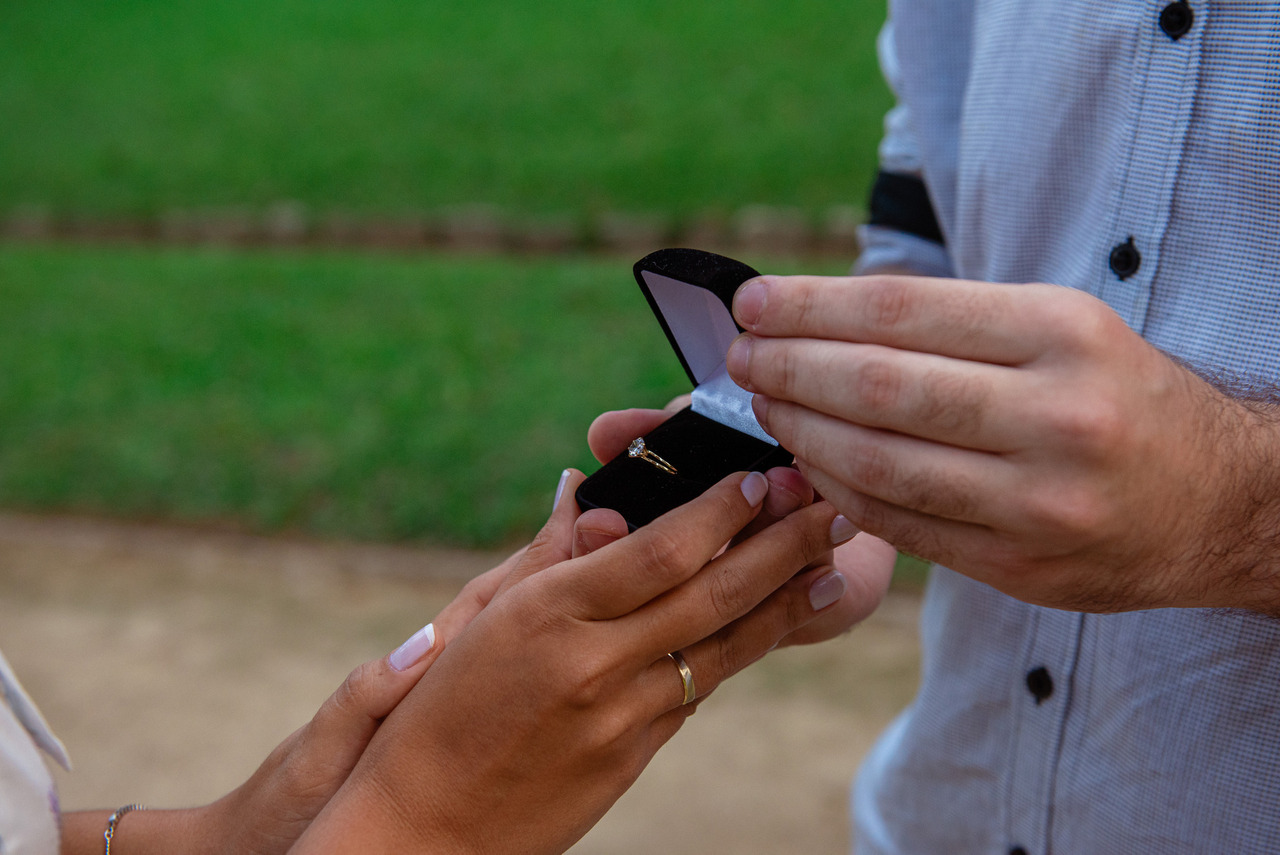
[{"x": 691, "y": 293}]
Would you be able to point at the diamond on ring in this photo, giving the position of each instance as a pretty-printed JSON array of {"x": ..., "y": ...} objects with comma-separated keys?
[{"x": 638, "y": 449}]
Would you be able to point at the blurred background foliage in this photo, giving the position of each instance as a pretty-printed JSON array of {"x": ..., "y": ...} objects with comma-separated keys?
[{"x": 415, "y": 396}]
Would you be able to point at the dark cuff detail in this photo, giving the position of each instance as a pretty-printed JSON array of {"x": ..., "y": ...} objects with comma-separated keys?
[{"x": 901, "y": 202}]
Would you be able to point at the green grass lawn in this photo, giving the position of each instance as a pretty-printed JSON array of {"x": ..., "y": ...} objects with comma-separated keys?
[
  {"x": 384, "y": 106},
  {"x": 365, "y": 396}
]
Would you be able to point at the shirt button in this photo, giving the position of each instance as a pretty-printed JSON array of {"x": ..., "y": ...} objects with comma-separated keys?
[
  {"x": 1125, "y": 259},
  {"x": 1039, "y": 684},
  {"x": 1176, "y": 19},
  {"x": 1017, "y": 850}
]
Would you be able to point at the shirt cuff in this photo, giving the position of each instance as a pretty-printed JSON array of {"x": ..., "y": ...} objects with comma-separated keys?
[{"x": 885, "y": 248}]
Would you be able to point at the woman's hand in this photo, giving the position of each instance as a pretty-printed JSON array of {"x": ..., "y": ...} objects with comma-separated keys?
[
  {"x": 270, "y": 811},
  {"x": 546, "y": 708},
  {"x": 866, "y": 562}
]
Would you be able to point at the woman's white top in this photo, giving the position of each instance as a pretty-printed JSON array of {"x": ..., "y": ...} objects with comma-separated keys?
[{"x": 28, "y": 800}]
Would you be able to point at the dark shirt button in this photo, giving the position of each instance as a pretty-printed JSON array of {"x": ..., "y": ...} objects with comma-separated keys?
[
  {"x": 1040, "y": 684},
  {"x": 1017, "y": 850},
  {"x": 1125, "y": 259},
  {"x": 1176, "y": 19}
]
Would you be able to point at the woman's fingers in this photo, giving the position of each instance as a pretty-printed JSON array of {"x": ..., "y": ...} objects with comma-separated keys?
[
  {"x": 788, "y": 492},
  {"x": 621, "y": 577},
  {"x": 346, "y": 721},
  {"x": 473, "y": 597},
  {"x": 611, "y": 433},
  {"x": 737, "y": 581},
  {"x": 555, "y": 542},
  {"x": 596, "y": 529},
  {"x": 800, "y": 602},
  {"x": 866, "y": 562}
]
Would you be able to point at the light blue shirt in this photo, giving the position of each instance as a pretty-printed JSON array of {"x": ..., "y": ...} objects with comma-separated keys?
[{"x": 1048, "y": 135}]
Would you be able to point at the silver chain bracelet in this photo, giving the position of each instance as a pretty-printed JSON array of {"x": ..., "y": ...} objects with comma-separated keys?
[{"x": 114, "y": 820}]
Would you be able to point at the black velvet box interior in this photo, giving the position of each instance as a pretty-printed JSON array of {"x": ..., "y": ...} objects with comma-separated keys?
[{"x": 691, "y": 294}]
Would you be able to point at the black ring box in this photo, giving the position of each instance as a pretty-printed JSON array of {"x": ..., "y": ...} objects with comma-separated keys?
[{"x": 691, "y": 294}]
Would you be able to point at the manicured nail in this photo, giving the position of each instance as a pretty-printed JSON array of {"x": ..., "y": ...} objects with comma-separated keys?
[
  {"x": 754, "y": 488},
  {"x": 748, "y": 303},
  {"x": 842, "y": 530},
  {"x": 564, "y": 476},
  {"x": 408, "y": 654},
  {"x": 826, "y": 590}
]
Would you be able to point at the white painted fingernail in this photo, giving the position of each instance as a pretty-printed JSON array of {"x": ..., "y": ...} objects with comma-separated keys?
[
  {"x": 842, "y": 530},
  {"x": 827, "y": 590},
  {"x": 564, "y": 476},
  {"x": 754, "y": 488},
  {"x": 408, "y": 654}
]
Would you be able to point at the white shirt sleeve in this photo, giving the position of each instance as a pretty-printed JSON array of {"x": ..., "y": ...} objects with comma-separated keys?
[{"x": 885, "y": 248}]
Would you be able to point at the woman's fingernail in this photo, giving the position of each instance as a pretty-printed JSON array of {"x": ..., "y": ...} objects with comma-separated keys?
[
  {"x": 564, "y": 476},
  {"x": 827, "y": 590},
  {"x": 748, "y": 303},
  {"x": 737, "y": 360},
  {"x": 408, "y": 654},
  {"x": 754, "y": 488},
  {"x": 842, "y": 530}
]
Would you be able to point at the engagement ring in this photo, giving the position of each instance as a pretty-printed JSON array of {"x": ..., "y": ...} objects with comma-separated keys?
[{"x": 637, "y": 449}]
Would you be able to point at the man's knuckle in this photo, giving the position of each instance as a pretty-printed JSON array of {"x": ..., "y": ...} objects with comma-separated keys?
[
  {"x": 950, "y": 498},
  {"x": 889, "y": 303},
  {"x": 1081, "y": 323},
  {"x": 1060, "y": 511},
  {"x": 877, "y": 385},
  {"x": 803, "y": 296},
  {"x": 871, "y": 468},
  {"x": 788, "y": 371},
  {"x": 1090, "y": 429},
  {"x": 952, "y": 403}
]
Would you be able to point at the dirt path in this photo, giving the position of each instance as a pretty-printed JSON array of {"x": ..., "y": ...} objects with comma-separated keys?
[{"x": 171, "y": 661}]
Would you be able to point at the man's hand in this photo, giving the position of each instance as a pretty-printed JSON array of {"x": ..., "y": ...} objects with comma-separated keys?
[{"x": 1020, "y": 434}]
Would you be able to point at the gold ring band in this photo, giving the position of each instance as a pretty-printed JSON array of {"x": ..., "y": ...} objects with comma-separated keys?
[
  {"x": 638, "y": 449},
  {"x": 686, "y": 677}
]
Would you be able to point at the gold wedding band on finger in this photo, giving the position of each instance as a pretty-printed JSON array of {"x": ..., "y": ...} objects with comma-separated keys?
[
  {"x": 637, "y": 449},
  {"x": 686, "y": 677}
]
